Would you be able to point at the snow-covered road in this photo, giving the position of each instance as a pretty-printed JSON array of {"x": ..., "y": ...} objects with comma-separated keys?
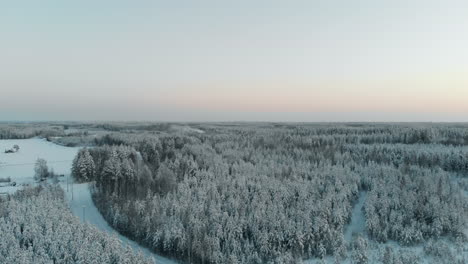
[
  {"x": 83, "y": 207},
  {"x": 358, "y": 220},
  {"x": 356, "y": 226}
]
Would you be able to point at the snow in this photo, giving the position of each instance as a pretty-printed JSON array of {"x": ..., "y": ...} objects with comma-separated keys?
[
  {"x": 186, "y": 129},
  {"x": 358, "y": 226},
  {"x": 358, "y": 220},
  {"x": 83, "y": 207},
  {"x": 19, "y": 167}
]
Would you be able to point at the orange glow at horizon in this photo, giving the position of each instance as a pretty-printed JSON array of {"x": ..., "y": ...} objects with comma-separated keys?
[{"x": 447, "y": 92}]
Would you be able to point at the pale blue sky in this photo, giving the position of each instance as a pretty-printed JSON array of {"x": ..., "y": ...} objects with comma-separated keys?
[{"x": 234, "y": 60}]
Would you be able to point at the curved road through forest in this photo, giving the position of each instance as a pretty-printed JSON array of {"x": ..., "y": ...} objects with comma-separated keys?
[{"x": 82, "y": 206}]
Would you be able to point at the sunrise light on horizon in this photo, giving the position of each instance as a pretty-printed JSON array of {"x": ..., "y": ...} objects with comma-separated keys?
[{"x": 234, "y": 60}]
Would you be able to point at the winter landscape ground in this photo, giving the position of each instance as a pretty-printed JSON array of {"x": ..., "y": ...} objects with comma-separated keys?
[{"x": 234, "y": 193}]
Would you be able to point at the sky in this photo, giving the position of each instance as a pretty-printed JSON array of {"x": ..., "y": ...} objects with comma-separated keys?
[{"x": 243, "y": 60}]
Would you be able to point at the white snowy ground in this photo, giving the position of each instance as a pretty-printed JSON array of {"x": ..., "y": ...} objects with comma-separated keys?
[
  {"x": 83, "y": 207},
  {"x": 20, "y": 168},
  {"x": 186, "y": 129},
  {"x": 358, "y": 219}
]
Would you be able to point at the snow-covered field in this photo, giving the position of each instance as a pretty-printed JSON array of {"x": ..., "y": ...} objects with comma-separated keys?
[
  {"x": 186, "y": 129},
  {"x": 19, "y": 167}
]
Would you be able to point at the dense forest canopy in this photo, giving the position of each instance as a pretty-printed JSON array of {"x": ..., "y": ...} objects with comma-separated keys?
[
  {"x": 36, "y": 226},
  {"x": 261, "y": 192},
  {"x": 257, "y": 193}
]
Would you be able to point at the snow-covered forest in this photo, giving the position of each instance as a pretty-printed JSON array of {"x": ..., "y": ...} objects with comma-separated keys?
[
  {"x": 255, "y": 193},
  {"x": 36, "y": 226},
  {"x": 274, "y": 193}
]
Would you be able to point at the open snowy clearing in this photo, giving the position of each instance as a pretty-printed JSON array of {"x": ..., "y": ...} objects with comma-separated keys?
[
  {"x": 186, "y": 129},
  {"x": 19, "y": 167}
]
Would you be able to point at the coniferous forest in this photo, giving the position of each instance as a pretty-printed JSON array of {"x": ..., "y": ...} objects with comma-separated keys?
[
  {"x": 283, "y": 193},
  {"x": 36, "y": 227},
  {"x": 250, "y": 193}
]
